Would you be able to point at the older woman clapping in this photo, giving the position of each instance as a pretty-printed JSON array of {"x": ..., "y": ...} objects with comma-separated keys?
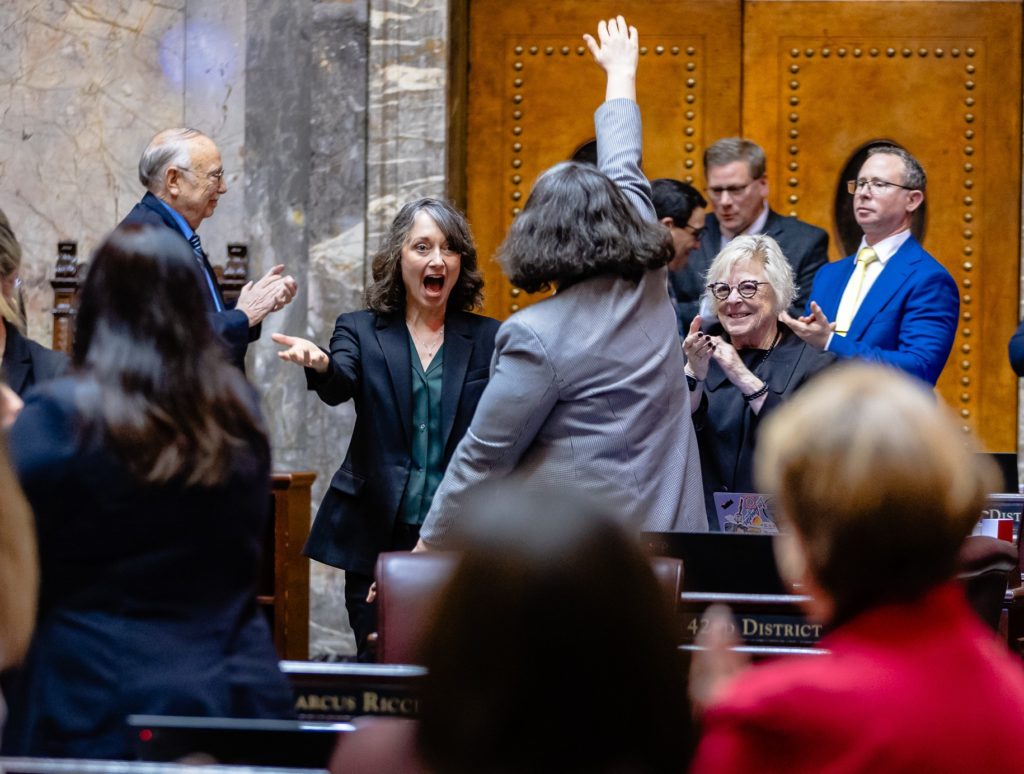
[{"x": 746, "y": 363}]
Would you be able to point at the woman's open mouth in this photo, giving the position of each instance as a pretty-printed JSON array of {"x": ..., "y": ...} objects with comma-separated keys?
[{"x": 434, "y": 283}]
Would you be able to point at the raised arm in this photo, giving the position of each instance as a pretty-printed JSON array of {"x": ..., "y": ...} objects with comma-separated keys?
[{"x": 617, "y": 121}]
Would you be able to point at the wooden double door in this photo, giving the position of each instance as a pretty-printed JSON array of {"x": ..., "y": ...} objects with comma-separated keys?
[{"x": 814, "y": 83}]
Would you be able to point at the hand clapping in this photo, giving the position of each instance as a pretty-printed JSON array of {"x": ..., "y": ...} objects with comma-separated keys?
[
  {"x": 698, "y": 347},
  {"x": 269, "y": 293},
  {"x": 813, "y": 328}
]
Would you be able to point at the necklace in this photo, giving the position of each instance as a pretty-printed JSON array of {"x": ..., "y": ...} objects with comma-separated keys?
[
  {"x": 778, "y": 335},
  {"x": 434, "y": 345}
]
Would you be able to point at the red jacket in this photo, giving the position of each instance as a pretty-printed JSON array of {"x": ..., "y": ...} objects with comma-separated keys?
[{"x": 906, "y": 688}]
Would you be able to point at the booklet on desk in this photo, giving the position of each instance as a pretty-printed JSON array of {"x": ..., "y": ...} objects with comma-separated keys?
[{"x": 745, "y": 512}]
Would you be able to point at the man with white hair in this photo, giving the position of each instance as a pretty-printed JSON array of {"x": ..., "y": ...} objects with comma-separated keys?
[{"x": 184, "y": 178}]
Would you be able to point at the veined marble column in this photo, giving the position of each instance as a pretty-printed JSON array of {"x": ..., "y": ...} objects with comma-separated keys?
[{"x": 408, "y": 107}]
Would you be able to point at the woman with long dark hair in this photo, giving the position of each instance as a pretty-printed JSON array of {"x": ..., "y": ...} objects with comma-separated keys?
[
  {"x": 414, "y": 363},
  {"x": 148, "y": 472}
]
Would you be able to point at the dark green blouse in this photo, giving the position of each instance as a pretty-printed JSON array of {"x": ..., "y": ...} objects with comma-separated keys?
[{"x": 427, "y": 451}]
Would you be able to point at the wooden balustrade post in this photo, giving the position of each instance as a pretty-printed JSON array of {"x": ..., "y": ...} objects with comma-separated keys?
[{"x": 65, "y": 284}]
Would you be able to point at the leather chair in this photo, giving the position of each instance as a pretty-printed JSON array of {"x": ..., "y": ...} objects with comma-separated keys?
[
  {"x": 408, "y": 585},
  {"x": 985, "y": 567}
]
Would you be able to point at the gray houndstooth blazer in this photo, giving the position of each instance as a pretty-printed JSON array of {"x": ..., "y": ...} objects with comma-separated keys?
[{"x": 587, "y": 387}]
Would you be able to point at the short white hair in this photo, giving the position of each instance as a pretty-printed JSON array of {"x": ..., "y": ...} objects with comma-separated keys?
[
  {"x": 171, "y": 147},
  {"x": 748, "y": 248}
]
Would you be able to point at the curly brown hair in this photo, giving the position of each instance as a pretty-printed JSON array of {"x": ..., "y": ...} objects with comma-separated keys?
[{"x": 386, "y": 294}]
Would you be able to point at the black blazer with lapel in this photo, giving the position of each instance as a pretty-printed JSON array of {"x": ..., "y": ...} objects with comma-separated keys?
[
  {"x": 726, "y": 425},
  {"x": 231, "y": 324},
  {"x": 27, "y": 363},
  {"x": 805, "y": 246},
  {"x": 370, "y": 364}
]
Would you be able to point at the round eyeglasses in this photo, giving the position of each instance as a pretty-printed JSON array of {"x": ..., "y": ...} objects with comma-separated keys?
[{"x": 746, "y": 289}]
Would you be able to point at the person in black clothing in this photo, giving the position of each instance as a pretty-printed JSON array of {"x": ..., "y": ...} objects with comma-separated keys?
[
  {"x": 742, "y": 366},
  {"x": 23, "y": 362},
  {"x": 184, "y": 178},
  {"x": 414, "y": 363}
]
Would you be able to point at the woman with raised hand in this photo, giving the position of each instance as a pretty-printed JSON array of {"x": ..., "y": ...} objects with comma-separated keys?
[
  {"x": 148, "y": 471},
  {"x": 414, "y": 363},
  {"x": 585, "y": 385}
]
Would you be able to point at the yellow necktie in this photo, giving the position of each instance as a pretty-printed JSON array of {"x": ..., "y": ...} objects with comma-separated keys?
[{"x": 865, "y": 257}]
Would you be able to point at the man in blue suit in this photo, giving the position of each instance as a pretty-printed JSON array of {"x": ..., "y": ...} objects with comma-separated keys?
[
  {"x": 182, "y": 172},
  {"x": 891, "y": 302}
]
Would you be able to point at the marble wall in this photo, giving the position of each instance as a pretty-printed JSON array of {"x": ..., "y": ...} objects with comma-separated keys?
[{"x": 328, "y": 113}]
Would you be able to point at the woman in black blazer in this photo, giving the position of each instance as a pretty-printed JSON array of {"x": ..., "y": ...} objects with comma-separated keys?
[
  {"x": 415, "y": 363},
  {"x": 742, "y": 366},
  {"x": 23, "y": 363}
]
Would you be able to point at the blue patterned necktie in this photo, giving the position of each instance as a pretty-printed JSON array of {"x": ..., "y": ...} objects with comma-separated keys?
[
  {"x": 204, "y": 267},
  {"x": 197, "y": 246}
]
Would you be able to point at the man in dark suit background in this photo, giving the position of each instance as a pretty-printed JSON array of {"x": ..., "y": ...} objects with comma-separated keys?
[
  {"x": 681, "y": 209},
  {"x": 184, "y": 177},
  {"x": 738, "y": 188}
]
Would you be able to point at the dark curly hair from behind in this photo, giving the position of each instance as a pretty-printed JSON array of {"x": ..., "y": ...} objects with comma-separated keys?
[
  {"x": 577, "y": 224},
  {"x": 386, "y": 294}
]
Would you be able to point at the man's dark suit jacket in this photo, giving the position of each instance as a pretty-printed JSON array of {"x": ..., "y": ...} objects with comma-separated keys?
[
  {"x": 805, "y": 246},
  {"x": 27, "y": 363},
  {"x": 370, "y": 363},
  {"x": 231, "y": 325}
]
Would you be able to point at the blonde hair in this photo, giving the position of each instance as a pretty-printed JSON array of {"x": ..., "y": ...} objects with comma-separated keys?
[
  {"x": 10, "y": 262},
  {"x": 879, "y": 481},
  {"x": 765, "y": 251},
  {"x": 19, "y": 568}
]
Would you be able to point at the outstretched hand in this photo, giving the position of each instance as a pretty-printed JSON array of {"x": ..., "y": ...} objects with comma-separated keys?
[
  {"x": 302, "y": 352},
  {"x": 617, "y": 51},
  {"x": 814, "y": 328}
]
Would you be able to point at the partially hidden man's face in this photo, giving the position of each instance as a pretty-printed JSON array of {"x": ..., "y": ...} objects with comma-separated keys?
[
  {"x": 195, "y": 190},
  {"x": 686, "y": 239},
  {"x": 738, "y": 197}
]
